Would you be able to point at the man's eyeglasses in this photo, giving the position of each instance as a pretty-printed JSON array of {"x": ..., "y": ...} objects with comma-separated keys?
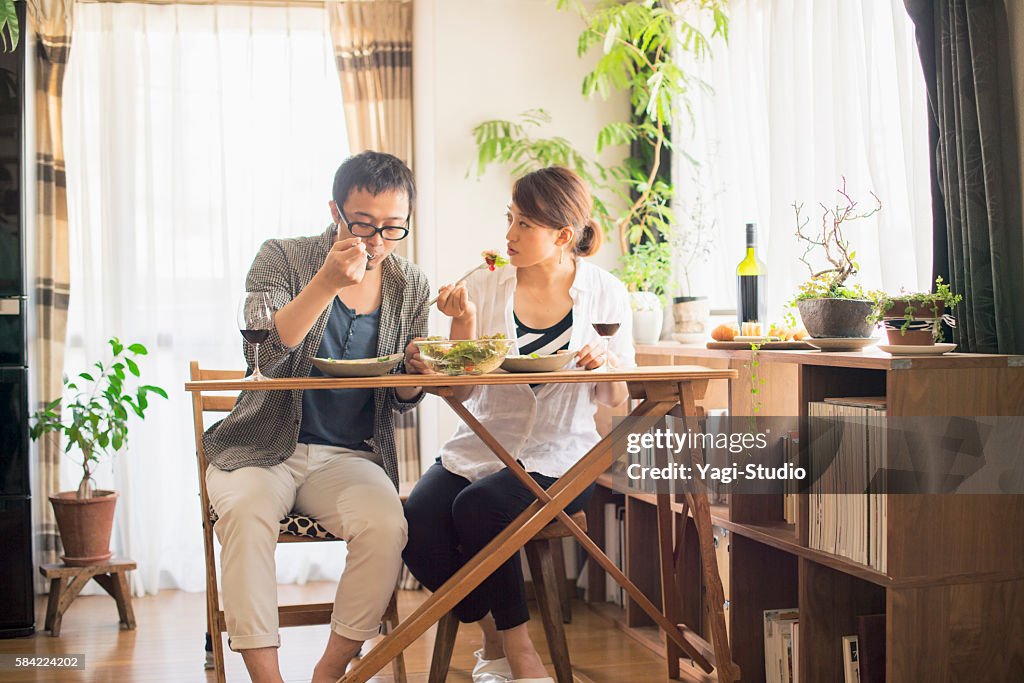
[{"x": 392, "y": 233}]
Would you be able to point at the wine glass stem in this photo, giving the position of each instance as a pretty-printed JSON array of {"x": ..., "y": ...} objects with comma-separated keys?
[{"x": 256, "y": 361}]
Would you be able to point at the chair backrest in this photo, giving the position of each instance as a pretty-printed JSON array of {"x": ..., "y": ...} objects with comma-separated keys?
[{"x": 203, "y": 403}]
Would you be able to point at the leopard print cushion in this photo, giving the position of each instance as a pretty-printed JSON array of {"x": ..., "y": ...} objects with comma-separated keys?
[{"x": 295, "y": 525}]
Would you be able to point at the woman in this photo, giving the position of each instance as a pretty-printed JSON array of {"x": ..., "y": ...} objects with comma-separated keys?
[{"x": 547, "y": 300}]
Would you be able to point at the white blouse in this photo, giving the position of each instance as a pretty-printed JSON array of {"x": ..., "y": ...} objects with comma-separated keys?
[{"x": 550, "y": 430}]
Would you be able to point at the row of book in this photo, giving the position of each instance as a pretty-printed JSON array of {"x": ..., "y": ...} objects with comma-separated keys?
[
  {"x": 615, "y": 549},
  {"x": 846, "y": 452},
  {"x": 791, "y": 456},
  {"x": 863, "y": 652}
]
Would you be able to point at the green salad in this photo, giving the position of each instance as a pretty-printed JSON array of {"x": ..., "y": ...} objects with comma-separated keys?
[{"x": 461, "y": 357}]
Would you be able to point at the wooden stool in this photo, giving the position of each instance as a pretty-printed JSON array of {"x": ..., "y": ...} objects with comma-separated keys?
[
  {"x": 553, "y": 601},
  {"x": 111, "y": 575}
]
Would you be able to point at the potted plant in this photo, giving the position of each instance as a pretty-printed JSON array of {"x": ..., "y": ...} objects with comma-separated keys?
[
  {"x": 916, "y": 318},
  {"x": 829, "y": 306},
  {"x": 642, "y": 42},
  {"x": 93, "y": 419},
  {"x": 647, "y": 271},
  {"x": 692, "y": 243}
]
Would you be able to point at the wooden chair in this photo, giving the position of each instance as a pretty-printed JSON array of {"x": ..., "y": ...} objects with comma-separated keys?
[
  {"x": 547, "y": 569},
  {"x": 294, "y": 529}
]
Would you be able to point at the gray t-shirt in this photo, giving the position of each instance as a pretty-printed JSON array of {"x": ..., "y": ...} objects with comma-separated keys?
[{"x": 341, "y": 417}]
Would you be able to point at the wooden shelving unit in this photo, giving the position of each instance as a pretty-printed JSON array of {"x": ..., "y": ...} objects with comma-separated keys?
[{"x": 953, "y": 592}]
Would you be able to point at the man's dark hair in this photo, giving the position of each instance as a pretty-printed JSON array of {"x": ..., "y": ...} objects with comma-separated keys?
[{"x": 374, "y": 172}]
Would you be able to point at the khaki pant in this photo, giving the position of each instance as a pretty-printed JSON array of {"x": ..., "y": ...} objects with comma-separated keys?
[{"x": 349, "y": 493}]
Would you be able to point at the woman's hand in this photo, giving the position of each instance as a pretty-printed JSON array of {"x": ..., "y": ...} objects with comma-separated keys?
[
  {"x": 414, "y": 363},
  {"x": 454, "y": 302},
  {"x": 594, "y": 357}
]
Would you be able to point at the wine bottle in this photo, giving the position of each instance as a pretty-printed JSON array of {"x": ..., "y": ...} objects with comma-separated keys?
[{"x": 751, "y": 299}]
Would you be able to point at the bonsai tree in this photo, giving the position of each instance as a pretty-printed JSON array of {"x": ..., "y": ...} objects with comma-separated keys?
[
  {"x": 95, "y": 417},
  {"x": 640, "y": 42},
  {"x": 830, "y": 240}
]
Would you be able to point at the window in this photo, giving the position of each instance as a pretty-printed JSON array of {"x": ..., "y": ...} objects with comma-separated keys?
[
  {"x": 193, "y": 133},
  {"x": 804, "y": 94}
]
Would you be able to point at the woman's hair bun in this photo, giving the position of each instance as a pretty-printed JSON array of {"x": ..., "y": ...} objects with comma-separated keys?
[{"x": 589, "y": 240}]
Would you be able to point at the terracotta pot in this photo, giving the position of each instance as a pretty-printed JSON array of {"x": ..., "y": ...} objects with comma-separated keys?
[
  {"x": 84, "y": 526},
  {"x": 836, "y": 317},
  {"x": 921, "y": 310},
  {"x": 909, "y": 338}
]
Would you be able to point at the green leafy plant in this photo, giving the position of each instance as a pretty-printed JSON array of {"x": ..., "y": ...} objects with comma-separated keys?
[
  {"x": 640, "y": 43},
  {"x": 648, "y": 267},
  {"x": 9, "y": 31},
  {"x": 917, "y": 306},
  {"x": 95, "y": 416}
]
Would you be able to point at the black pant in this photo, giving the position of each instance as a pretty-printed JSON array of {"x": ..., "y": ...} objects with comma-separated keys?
[{"x": 451, "y": 519}]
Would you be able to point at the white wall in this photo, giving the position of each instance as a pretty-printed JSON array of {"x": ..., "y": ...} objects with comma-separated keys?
[{"x": 475, "y": 60}]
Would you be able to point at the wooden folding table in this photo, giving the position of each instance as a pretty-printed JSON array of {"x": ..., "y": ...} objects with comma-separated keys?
[{"x": 660, "y": 390}]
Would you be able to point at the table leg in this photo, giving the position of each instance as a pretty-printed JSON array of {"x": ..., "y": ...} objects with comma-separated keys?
[
  {"x": 534, "y": 518},
  {"x": 683, "y": 639},
  {"x": 669, "y": 595},
  {"x": 56, "y": 586},
  {"x": 67, "y": 596},
  {"x": 728, "y": 671}
]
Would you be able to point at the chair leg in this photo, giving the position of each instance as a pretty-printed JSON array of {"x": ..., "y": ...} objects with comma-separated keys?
[
  {"x": 444, "y": 644},
  {"x": 558, "y": 556},
  {"x": 542, "y": 569},
  {"x": 390, "y": 623}
]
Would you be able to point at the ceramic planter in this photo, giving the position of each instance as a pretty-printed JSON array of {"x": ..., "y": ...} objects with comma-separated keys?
[
  {"x": 691, "y": 315},
  {"x": 84, "y": 526},
  {"x": 920, "y": 310},
  {"x": 918, "y": 332},
  {"x": 836, "y": 317},
  {"x": 648, "y": 317}
]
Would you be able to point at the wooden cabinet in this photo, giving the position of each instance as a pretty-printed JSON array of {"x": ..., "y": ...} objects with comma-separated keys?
[{"x": 953, "y": 589}]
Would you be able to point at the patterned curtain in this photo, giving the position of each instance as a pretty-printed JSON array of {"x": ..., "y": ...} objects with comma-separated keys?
[
  {"x": 51, "y": 22},
  {"x": 373, "y": 52},
  {"x": 979, "y": 244}
]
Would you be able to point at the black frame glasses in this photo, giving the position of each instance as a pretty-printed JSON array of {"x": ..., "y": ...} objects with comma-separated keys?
[{"x": 369, "y": 230}]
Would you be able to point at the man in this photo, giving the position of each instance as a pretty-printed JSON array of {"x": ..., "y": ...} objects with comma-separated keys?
[{"x": 329, "y": 454}]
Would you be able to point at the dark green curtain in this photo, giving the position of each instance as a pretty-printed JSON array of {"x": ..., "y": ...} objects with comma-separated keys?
[{"x": 978, "y": 234}]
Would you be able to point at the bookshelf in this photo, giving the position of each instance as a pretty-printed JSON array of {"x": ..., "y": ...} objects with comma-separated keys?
[{"x": 953, "y": 590}]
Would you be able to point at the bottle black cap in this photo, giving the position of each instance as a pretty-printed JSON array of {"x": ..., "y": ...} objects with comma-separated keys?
[{"x": 751, "y": 234}]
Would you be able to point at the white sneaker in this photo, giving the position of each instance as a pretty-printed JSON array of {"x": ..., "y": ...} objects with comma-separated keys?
[
  {"x": 534, "y": 680},
  {"x": 491, "y": 670},
  {"x": 208, "y": 664}
]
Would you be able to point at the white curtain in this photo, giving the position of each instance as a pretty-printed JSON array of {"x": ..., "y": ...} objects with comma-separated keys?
[
  {"x": 193, "y": 134},
  {"x": 807, "y": 92}
]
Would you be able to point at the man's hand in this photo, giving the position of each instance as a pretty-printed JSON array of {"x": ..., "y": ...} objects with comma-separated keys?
[
  {"x": 345, "y": 264},
  {"x": 454, "y": 302},
  {"x": 414, "y": 363}
]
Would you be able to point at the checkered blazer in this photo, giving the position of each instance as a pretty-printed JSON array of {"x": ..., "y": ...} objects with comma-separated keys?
[{"x": 263, "y": 428}]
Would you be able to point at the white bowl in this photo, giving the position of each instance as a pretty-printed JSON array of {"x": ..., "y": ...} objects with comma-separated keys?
[
  {"x": 551, "y": 363},
  {"x": 358, "y": 367}
]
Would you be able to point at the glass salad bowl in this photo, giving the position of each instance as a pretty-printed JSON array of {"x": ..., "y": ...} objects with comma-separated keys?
[{"x": 464, "y": 356}]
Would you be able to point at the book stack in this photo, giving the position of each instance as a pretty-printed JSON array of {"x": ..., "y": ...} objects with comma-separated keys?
[
  {"x": 780, "y": 651},
  {"x": 615, "y": 549},
  {"x": 790, "y": 455},
  {"x": 847, "y": 452}
]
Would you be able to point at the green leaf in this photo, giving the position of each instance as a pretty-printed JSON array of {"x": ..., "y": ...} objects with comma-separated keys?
[
  {"x": 86, "y": 375},
  {"x": 156, "y": 390},
  {"x": 132, "y": 366},
  {"x": 138, "y": 349},
  {"x": 9, "y": 21}
]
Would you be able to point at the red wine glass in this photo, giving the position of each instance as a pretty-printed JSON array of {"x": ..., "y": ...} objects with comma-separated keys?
[
  {"x": 606, "y": 332},
  {"x": 255, "y": 320}
]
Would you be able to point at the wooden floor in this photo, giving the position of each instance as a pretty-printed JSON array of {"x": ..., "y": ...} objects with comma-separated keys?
[{"x": 168, "y": 643}]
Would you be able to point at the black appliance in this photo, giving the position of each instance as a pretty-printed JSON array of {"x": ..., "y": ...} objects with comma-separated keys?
[{"x": 17, "y": 617}]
